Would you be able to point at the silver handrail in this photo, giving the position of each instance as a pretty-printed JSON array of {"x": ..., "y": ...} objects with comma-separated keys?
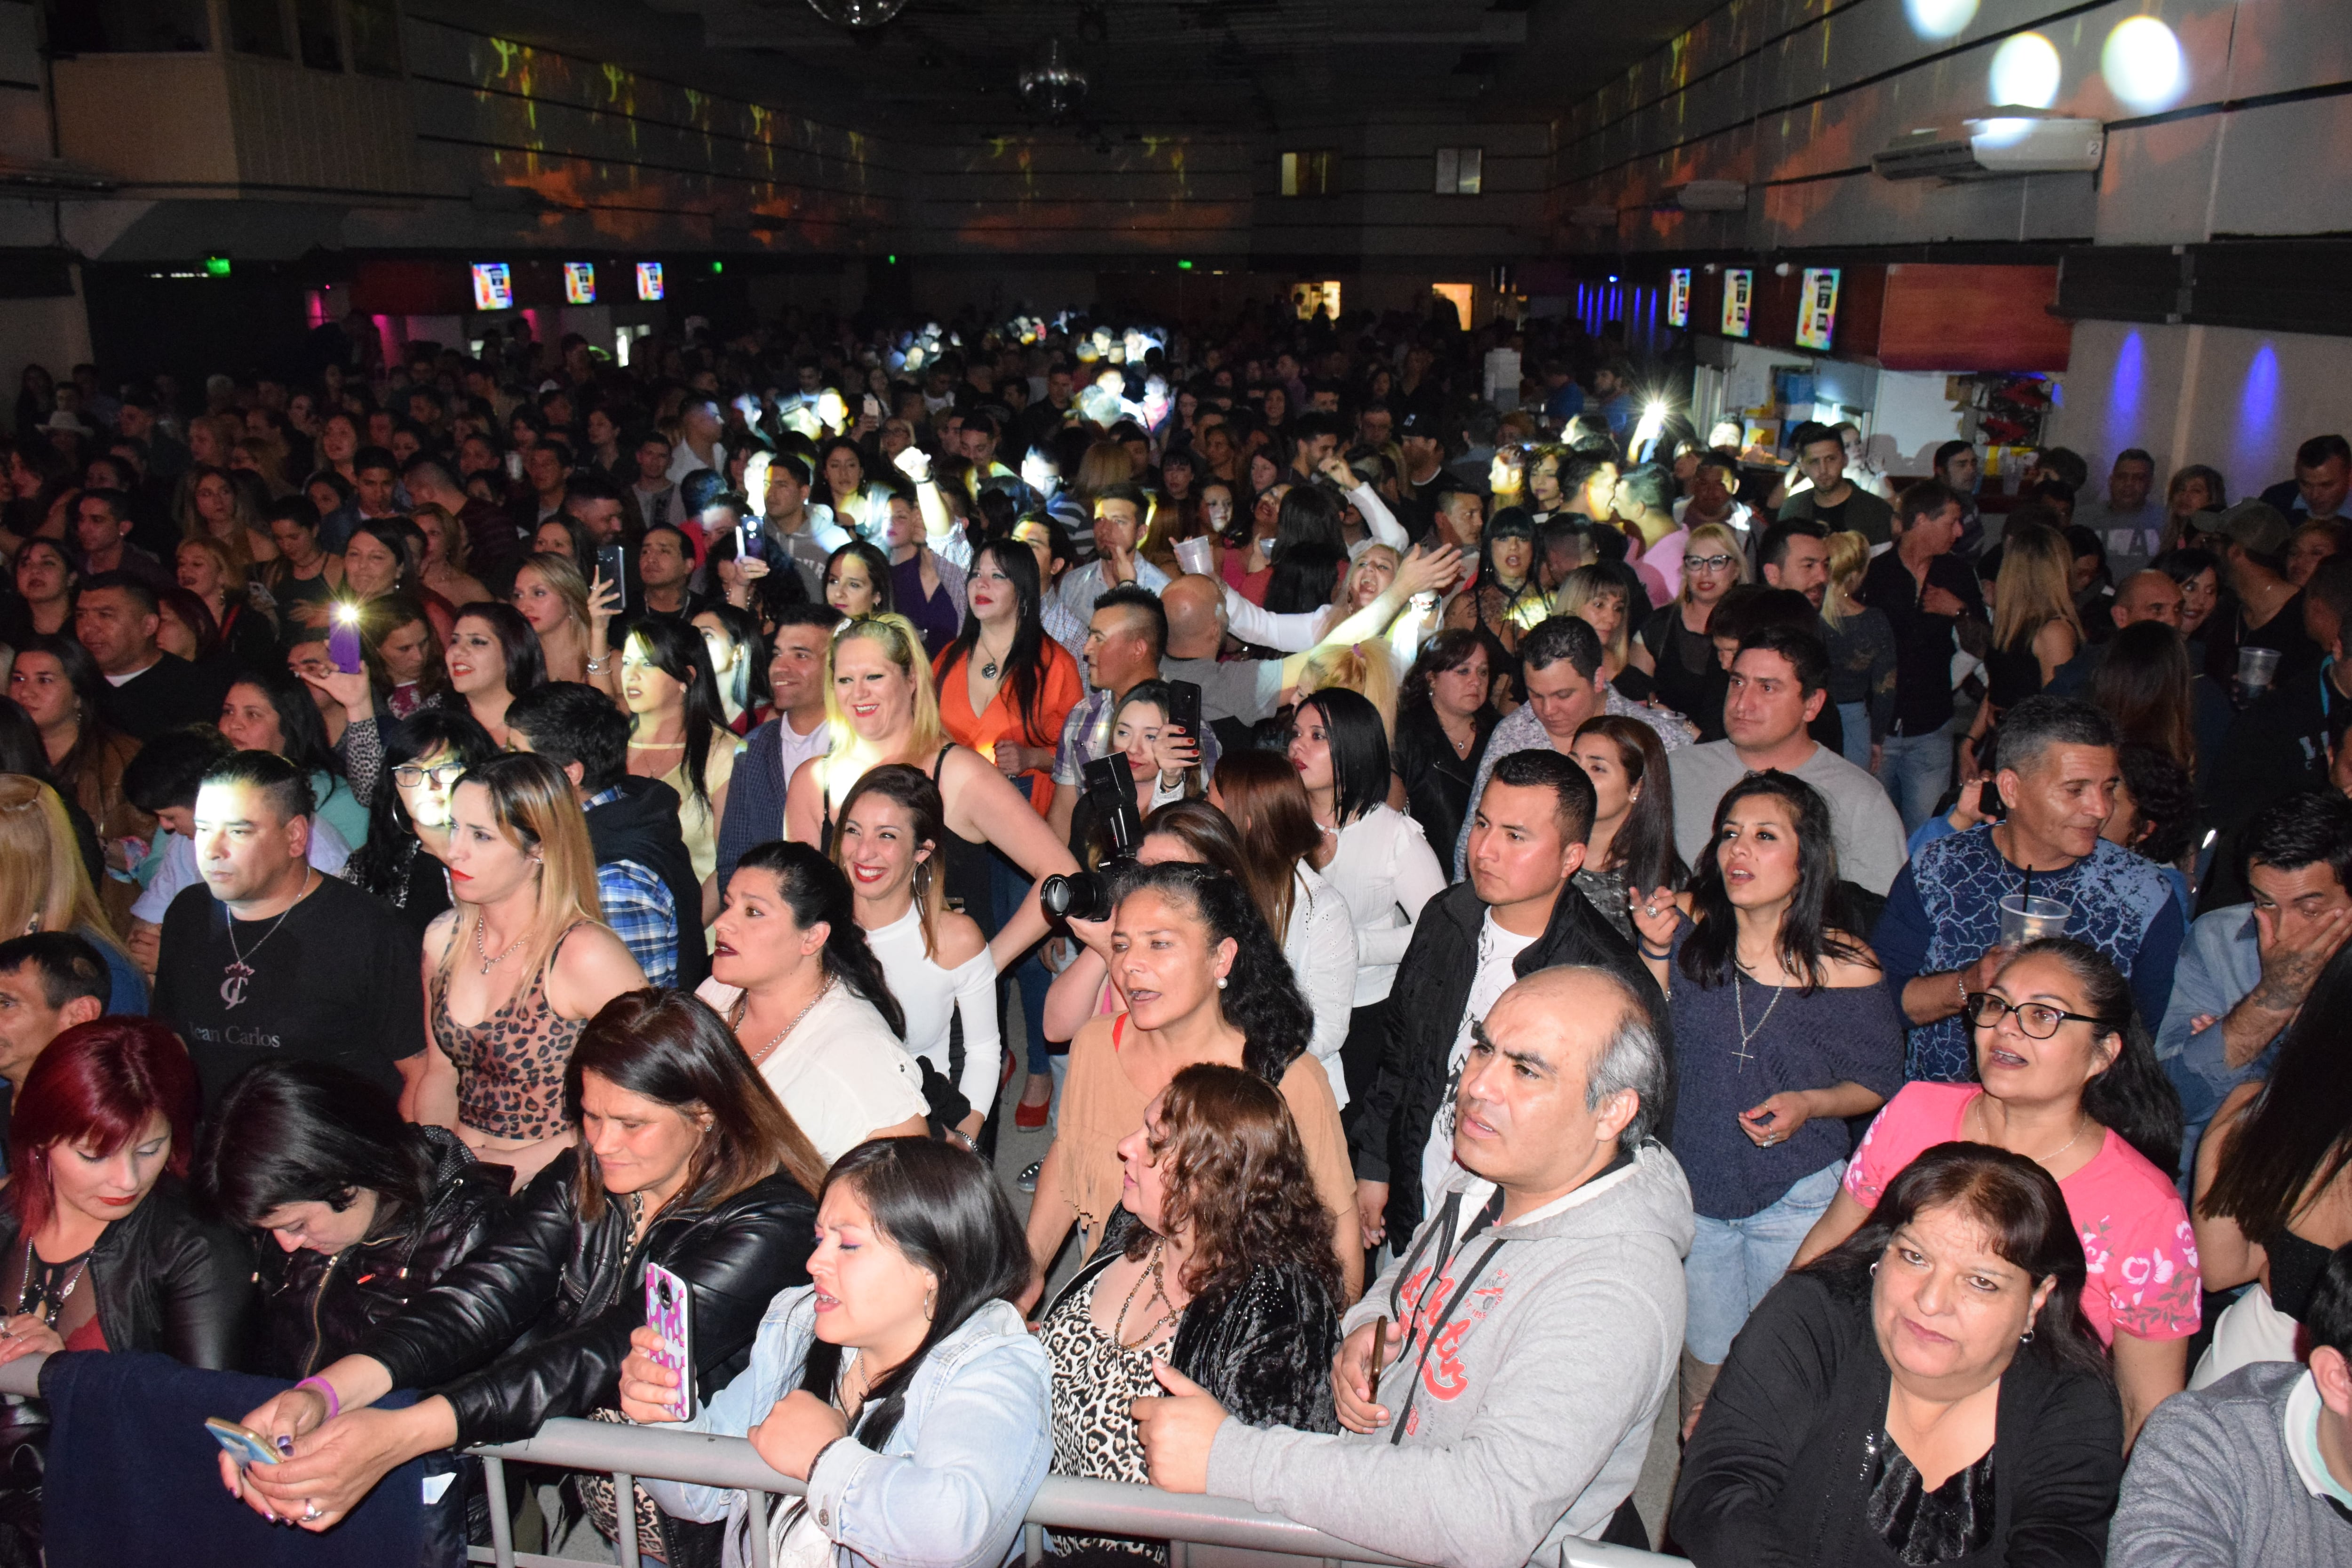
[{"x": 1063, "y": 1502}]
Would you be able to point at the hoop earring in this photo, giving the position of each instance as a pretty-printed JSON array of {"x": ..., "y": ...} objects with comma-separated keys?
[
  {"x": 1873, "y": 1269},
  {"x": 2026, "y": 1338},
  {"x": 930, "y": 1298}
]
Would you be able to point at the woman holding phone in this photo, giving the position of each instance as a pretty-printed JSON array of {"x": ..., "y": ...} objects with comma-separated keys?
[{"x": 686, "y": 1160}]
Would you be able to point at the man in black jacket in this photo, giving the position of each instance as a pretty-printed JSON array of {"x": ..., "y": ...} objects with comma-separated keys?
[
  {"x": 1516, "y": 914},
  {"x": 644, "y": 878}
]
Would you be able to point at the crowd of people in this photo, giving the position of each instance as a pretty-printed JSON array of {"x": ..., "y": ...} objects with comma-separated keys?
[{"x": 492, "y": 841}]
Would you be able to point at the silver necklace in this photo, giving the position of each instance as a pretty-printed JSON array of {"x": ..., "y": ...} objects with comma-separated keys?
[
  {"x": 24, "y": 1291},
  {"x": 238, "y": 972},
  {"x": 482, "y": 951},
  {"x": 1739, "y": 1010},
  {"x": 743, "y": 1008},
  {"x": 990, "y": 663}
]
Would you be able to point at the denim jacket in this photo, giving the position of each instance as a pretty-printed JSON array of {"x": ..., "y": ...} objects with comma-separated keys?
[{"x": 949, "y": 1488}]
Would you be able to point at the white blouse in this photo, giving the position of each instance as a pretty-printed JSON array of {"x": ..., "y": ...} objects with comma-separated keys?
[
  {"x": 932, "y": 996},
  {"x": 1321, "y": 947},
  {"x": 1385, "y": 870},
  {"x": 841, "y": 1072}
]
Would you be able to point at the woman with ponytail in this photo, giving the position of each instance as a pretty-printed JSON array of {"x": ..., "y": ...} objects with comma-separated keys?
[
  {"x": 901, "y": 1385},
  {"x": 792, "y": 975}
]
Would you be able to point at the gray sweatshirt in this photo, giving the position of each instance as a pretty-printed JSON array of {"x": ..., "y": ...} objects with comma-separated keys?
[
  {"x": 2211, "y": 1484},
  {"x": 1531, "y": 1413}
]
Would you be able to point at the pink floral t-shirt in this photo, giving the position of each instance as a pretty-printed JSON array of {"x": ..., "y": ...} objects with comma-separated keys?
[{"x": 2142, "y": 1256}]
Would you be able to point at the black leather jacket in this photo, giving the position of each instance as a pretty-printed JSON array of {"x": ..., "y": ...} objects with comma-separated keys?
[
  {"x": 536, "y": 1322},
  {"x": 171, "y": 1279},
  {"x": 1265, "y": 1350},
  {"x": 315, "y": 1309}
]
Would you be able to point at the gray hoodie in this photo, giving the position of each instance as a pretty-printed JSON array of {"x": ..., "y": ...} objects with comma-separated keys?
[{"x": 1531, "y": 1412}]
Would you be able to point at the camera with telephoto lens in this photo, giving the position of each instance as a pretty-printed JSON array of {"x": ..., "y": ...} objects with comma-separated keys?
[{"x": 1089, "y": 895}]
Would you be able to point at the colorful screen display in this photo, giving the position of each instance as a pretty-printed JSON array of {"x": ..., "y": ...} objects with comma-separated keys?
[
  {"x": 493, "y": 286},
  {"x": 579, "y": 282},
  {"x": 1817, "y": 311},
  {"x": 1678, "y": 297},
  {"x": 1739, "y": 299},
  {"x": 649, "y": 280}
]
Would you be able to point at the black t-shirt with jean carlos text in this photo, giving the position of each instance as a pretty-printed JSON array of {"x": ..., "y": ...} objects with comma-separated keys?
[{"x": 336, "y": 982}]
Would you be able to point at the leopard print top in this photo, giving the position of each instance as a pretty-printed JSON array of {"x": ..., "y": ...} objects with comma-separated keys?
[
  {"x": 510, "y": 1065},
  {"x": 1097, "y": 1381}
]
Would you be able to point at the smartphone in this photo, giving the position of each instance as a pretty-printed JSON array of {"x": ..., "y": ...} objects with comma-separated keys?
[
  {"x": 747, "y": 539},
  {"x": 669, "y": 1313},
  {"x": 514, "y": 467},
  {"x": 242, "y": 1443},
  {"x": 612, "y": 565},
  {"x": 1184, "y": 709},
  {"x": 872, "y": 408},
  {"x": 1380, "y": 1349}
]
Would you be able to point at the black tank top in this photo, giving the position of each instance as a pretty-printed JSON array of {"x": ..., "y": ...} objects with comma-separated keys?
[
  {"x": 2295, "y": 1267},
  {"x": 964, "y": 862}
]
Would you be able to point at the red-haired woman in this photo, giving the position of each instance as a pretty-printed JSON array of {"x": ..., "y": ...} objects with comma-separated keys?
[{"x": 100, "y": 1247}]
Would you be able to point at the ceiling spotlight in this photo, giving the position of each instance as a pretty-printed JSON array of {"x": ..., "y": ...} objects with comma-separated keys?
[
  {"x": 1055, "y": 84},
  {"x": 858, "y": 13}
]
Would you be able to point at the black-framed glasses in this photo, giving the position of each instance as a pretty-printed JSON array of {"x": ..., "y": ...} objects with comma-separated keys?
[
  {"x": 408, "y": 775},
  {"x": 2038, "y": 1020},
  {"x": 1708, "y": 562}
]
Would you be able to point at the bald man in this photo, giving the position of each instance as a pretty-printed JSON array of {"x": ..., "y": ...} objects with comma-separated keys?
[
  {"x": 2149, "y": 595},
  {"x": 1545, "y": 1282}
]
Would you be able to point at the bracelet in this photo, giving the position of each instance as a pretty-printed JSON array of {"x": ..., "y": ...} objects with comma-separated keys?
[
  {"x": 1960, "y": 979},
  {"x": 596, "y": 666},
  {"x": 334, "y": 1405},
  {"x": 1646, "y": 952}
]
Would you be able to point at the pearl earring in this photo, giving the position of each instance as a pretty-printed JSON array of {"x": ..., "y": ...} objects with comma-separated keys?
[{"x": 1221, "y": 982}]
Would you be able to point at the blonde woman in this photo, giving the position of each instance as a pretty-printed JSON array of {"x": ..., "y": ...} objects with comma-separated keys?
[
  {"x": 212, "y": 505},
  {"x": 1861, "y": 641},
  {"x": 571, "y": 625},
  {"x": 45, "y": 886},
  {"x": 880, "y": 702},
  {"x": 1596, "y": 596},
  {"x": 1365, "y": 669},
  {"x": 2034, "y": 625},
  {"x": 524, "y": 955},
  {"x": 445, "y": 556},
  {"x": 1684, "y": 670}
]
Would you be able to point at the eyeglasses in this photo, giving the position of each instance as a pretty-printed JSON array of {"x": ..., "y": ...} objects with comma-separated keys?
[
  {"x": 1708, "y": 562},
  {"x": 2039, "y": 1022},
  {"x": 408, "y": 775}
]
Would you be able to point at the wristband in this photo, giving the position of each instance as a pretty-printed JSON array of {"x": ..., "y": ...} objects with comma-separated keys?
[
  {"x": 1960, "y": 979},
  {"x": 1662, "y": 956},
  {"x": 334, "y": 1405}
]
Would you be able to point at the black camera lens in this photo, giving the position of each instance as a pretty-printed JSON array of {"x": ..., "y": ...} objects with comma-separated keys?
[
  {"x": 1084, "y": 896},
  {"x": 661, "y": 1292}
]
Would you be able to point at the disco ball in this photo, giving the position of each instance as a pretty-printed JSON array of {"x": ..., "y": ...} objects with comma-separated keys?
[
  {"x": 858, "y": 13},
  {"x": 1056, "y": 85}
]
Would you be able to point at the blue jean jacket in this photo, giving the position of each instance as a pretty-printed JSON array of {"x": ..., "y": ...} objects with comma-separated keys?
[
  {"x": 2219, "y": 964},
  {"x": 950, "y": 1486}
]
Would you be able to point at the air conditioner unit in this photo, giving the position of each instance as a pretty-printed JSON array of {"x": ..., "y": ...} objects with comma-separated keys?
[
  {"x": 1710, "y": 196},
  {"x": 1997, "y": 148}
]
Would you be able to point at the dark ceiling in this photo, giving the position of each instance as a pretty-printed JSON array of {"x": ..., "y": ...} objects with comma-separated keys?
[{"x": 1251, "y": 65}]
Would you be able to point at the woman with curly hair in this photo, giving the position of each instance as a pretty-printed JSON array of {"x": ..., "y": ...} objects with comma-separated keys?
[
  {"x": 1205, "y": 981},
  {"x": 1217, "y": 1263}
]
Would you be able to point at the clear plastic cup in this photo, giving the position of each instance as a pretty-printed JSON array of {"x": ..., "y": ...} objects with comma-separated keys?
[
  {"x": 2030, "y": 917},
  {"x": 1195, "y": 556},
  {"x": 2256, "y": 667}
]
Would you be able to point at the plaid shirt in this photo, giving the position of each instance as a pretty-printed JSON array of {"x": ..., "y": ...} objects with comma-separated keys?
[{"x": 638, "y": 907}]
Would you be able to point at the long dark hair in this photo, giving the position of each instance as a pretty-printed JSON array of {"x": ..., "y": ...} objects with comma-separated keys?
[
  {"x": 752, "y": 692},
  {"x": 912, "y": 791},
  {"x": 1206, "y": 831},
  {"x": 2015, "y": 1200},
  {"x": 877, "y": 567},
  {"x": 1261, "y": 997},
  {"x": 1238, "y": 1180},
  {"x": 303, "y": 1132},
  {"x": 2142, "y": 682},
  {"x": 815, "y": 891},
  {"x": 301, "y": 733},
  {"x": 1643, "y": 848},
  {"x": 947, "y": 1214},
  {"x": 2296, "y": 1137},
  {"x": 380, "y": 866},
  {"x": 677, "y": 650},
  {"x": 1024, "y": 662},
  {"x": 1359, "y": 750},
  {"x": 526, "y": 665},
  {"x": 92, "y": 731},
  {"x": 1806, "y": 939},
  {"x": 673, "y": 1049},
  {"x": 1276, "y": 823},
  {"x": 2132, "y": 1099}
]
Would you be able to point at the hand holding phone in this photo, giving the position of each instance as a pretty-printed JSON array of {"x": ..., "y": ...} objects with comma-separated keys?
[
  {"x": 243, "y": 1444},
  {"x": 612, "y": 565},
  {"x": 1184, "y": 709},
  {"x": 669, "y": 1313}
]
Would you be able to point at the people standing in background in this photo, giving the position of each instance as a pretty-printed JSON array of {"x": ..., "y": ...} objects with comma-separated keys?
[
  {"x": 795, "y": 732},
  {"x": 1926, "y": 593},
  {"x": 1863, "y": 659},
  {"x": 679, "y": 734},
  {"x": 2127, "y": 524},
  {"x": 1631, "y": 844}
]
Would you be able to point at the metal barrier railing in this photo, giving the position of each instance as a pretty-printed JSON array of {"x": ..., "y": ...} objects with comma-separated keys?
[{"x": 1093, "y": 1508}]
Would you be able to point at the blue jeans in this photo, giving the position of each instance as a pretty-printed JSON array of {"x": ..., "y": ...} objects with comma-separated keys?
[
  {"x": 1733, "y": 1262},
  {"x": 1855, "y": 719},
  {"x": 1917, "y": 770}
]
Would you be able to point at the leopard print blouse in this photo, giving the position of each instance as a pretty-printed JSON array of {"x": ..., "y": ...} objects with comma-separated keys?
[{"x": 510, "y": 1065}]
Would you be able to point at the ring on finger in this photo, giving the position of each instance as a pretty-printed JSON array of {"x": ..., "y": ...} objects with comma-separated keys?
[{"x": 314, "y": 1513}]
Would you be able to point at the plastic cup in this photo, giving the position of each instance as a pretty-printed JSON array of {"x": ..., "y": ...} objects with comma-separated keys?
[
  {"x": 2256, "y": 666},
  {"x": 1193, "y": 555},
  {"x": 2029, "y": 917}
]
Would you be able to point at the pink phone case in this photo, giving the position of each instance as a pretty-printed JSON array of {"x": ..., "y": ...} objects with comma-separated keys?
[{"x": 674, "y": 1321}]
